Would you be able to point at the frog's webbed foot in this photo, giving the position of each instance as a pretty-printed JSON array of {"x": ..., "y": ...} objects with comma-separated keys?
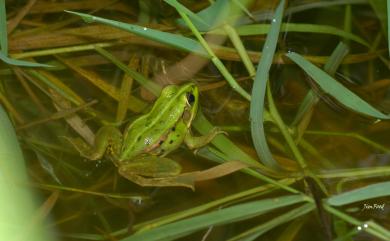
[
  {"x": 194, "y": 142},
  {"x": 107, "y": 138},
  {"x": 155, "y": 172}
]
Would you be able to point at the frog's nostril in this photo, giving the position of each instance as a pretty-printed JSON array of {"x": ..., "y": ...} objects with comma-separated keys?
[{"x": 190, "y": 98}]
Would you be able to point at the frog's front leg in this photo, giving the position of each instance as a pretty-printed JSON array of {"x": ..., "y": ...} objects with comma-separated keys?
[
  {"x": 154, "y": 171},
  {"x": 108, "y": 138},
  {"x": 194, "y": 142}
]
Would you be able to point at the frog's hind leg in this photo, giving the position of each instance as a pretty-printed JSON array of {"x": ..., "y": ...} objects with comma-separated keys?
[
  {"x": 194, "y": 142},
  {"x": 108, "y": 138},
  {"x": 154, "y": 171}
]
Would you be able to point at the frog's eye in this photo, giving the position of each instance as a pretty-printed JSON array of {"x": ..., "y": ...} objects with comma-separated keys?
[{"x": 190, "y": 98}]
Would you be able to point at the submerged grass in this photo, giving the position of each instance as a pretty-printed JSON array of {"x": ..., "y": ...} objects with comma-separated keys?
[
  {"x": 218, "y": 217},
  {"x": 38, "y": 98},
  {"x": 335, "y": 89},
  {"x": 256, "y": 29}
]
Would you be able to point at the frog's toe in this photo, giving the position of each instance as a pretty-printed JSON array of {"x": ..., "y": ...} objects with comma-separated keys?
[{"x": 218, "y": 131}]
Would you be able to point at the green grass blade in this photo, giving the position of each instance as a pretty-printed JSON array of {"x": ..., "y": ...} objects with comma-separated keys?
[
  {"x": 169, "y": 39},
  {"x": 242, "y": 5},
  {"x": 239, "y": 46},
  {"x": 232, "y": 152},
  {"x": 321, "y": 4},
  {"x": 336, "y": 58},
  {"x": 306, "y": 5},
  {"x": 371, "y": 191},
  {"x": 4, "y": 43},
  {"x": 217, "y": 217},
  {"x": 209, "y": 206},
  {"x": 257, "y": 29},
  {"x": 221, "y": 141},
  {"x": 379, "y": 7},
  {"x": 218, "y": 13},
  {"x": 335, "y": 89},
  {"x": 199, "y": 22},
  {"x": 216, "y": 61},
  {"x": 142, "y": 80},
  {"x": 330, "y": 67},
  {"x": 3, "y": 29},
  {"x": 372, "y": 227},
  {"x": 259, "y": 88},
  {"x": 255, "y": 232},
  {"x": 388, "y": 25},
  {"x": 21, "y": 62},
  {"x": 59, "y": 87}
]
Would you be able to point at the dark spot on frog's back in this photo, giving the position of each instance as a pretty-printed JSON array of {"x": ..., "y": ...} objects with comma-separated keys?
[
  {"x": 190, "y": 98},
  {"x": 173, "y": 128},
  {"x": 161, "y": 142},
  {"x": 171, "y": 141}
]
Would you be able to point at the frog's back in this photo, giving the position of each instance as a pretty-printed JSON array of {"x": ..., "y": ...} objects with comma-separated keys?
[{"x": 146, "y": 133}]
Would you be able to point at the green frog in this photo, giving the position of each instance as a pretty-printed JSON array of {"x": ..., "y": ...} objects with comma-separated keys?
[{"x": 140, "y": 152}]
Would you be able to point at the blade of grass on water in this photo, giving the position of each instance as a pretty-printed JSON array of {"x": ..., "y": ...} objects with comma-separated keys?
[
  {"x": 142, "y": 80},
  {"x": 305, "y": 111},
  {"x": 21, "y": 62},
  {"x": 216, "y": 61},
  {"x": 195, "y": 18},
  {"x": 231, "y": 199},
  {"x": 388, "y": 25},
  {"x": 259, "y": 88},
  {"x": 257, "y": 231},
  {"x": 219, "y": 12},
  {"x": 173, "y": 40},
  {"x": 4, "y": 42},
  {"x": 371, "y": 191},
  {"x": 306, "y": 5},
  {"x": 217, "y": 217},
  {"x": 335, "y": 89},
  {"x": 256, "y": 29},
  {"x": 232, "y": 152},
  {"x": 3, "y": 29},
  {"x": 371, "y": 227}
]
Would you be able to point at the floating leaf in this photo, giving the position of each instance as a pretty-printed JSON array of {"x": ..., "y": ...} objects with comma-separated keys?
[
  {"x": 217, "y": 217},
  {"x": 258, "y": 91},
  {"x": 256, "y": 29},
  {"x": 170, "y": 39},
  {"x": 21, "y": 62},
  {"x": 218, "y": 13},
  {"x": 4, "y": 43},
  {"x": 335, "y": 89},
  {"x": 371, "y": 191}
]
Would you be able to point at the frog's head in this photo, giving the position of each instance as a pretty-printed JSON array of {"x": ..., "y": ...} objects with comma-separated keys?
[
  {"x": 189, "y": 94},
  {"x": 184, "y": 98},
  {"x": 190, "y": 89}
]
